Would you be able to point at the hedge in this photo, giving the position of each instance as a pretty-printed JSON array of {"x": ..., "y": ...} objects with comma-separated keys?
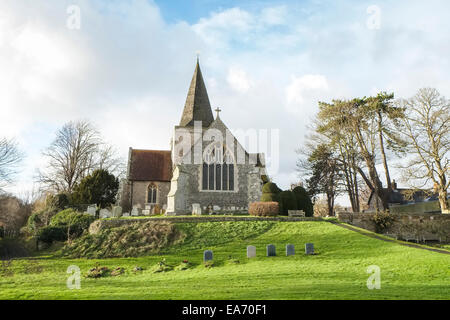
[{"x": 265, "y": 209}]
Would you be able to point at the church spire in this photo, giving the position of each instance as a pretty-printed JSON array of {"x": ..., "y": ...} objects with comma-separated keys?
[{"x": 197, "y": 106}]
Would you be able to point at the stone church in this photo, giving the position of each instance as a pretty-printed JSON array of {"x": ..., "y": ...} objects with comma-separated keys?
[{"x": 206, "y": 171}]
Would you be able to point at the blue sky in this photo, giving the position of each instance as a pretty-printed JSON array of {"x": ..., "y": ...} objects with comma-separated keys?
[{"x": 265, "y": 63}]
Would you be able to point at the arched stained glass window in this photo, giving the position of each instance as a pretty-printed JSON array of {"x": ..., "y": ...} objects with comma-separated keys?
[{"x": 218, "y": 169}]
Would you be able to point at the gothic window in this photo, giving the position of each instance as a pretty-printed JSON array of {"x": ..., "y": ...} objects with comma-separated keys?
[
  {"x": 218, "y": 170},
  {"x": 151, "y": 193}
]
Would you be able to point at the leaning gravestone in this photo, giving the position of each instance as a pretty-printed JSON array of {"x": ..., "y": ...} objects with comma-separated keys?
[
  {"x": 251, "y": 251},
  {"x": 309, "y": 248},
  {"x": 290, "y": 250},
  {"x": 271, "y": 250},
  {"x": 207, "y": 255}
]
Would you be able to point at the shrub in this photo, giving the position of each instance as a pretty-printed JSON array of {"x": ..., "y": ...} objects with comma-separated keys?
[
  {"x": 270, "y": 192},
  {"x": 73, "y": 221},
  {"x": 263, "y": 208},
  {"x": 287, "y": 201},
  {"x": 303, "y": 201},
  {"x": 39, "y": 220},
  {"x": 382, "y": 221},
  {"x": 51, "y": 233}
]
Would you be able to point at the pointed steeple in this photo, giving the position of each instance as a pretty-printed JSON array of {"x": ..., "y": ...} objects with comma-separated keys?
[{"x": 197, "y": 106}]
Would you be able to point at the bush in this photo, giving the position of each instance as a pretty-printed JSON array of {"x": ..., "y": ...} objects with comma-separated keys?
[
  {"x": 303, "y": 201},
  {"x": 39, "y": 220},
  {"x": 51, "y": 233},
  {"x": 382, "y": 221},
  {"x": 287, "y": 201},
  {"x": 261, "y": 209},
  {"x": 73, "y": 220},
  {"x": 270, "y": 192}
]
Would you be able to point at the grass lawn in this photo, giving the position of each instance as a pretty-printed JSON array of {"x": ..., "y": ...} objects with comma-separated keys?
[{"x": 338, "y": 271}]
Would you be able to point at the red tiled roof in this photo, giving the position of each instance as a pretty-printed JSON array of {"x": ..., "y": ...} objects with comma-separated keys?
[{"x": 150, "y": 165}]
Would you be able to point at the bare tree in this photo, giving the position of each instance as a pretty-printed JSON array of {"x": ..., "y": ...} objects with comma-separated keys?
[
  {"x": 10, "y": 158},
  {"x": 426, "y": 128},
  {"x": 77, "y": 150}
]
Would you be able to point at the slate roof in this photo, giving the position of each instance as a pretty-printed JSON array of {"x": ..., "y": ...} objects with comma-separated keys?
[
  {"x": 197, "y": 106},
  {"x": 150, "y": 165},
  {"x": 404, "y": 196}
]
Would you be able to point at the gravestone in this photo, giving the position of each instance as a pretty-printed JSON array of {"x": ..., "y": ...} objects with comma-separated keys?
[
  {"x": 117, "y": 211},
  {"x": 126, "y": 214},
  {"x": 92, "y": 209},
  {"x": 290, "y": 250},
  {"x": 136, "y": 211},
  {"x": 105, "y": 213},
  {"x": 271, "y": 252},
  {"x": 146, "y": 212},
  {"x": 207, "y": 255},
  {"x": 196, "y": 209},
  {"x": 251, "y": 251},
  {"x": 309, "y": 248}
]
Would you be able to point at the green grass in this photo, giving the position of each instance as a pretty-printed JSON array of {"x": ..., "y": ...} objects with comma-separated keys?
[{"x": 338, "y": 271}]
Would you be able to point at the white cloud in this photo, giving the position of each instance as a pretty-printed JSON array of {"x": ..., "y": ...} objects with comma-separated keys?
[
  {"x": 239, "y": 80},
  {"x": 305, "y": 89}
]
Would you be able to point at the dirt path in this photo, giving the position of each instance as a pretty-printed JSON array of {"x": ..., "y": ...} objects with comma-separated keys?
[{"x": 372, "y": 235}]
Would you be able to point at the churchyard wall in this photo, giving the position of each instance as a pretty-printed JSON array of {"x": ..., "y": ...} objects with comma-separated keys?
[{"x": 417, "y": 227}]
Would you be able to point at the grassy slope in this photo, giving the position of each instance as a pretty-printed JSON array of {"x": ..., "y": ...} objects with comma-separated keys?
[{"x": 337, "y": 272}]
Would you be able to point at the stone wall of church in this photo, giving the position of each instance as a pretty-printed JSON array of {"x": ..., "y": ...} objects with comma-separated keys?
[
  {"x": 247, "y": 182},
  {"x": 139, "y": 190}
]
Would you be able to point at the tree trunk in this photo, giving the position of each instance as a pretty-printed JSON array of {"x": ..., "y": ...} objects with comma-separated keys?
[
  {"x": 383, "y": 154},
  {"x": 443, "y": 200}
]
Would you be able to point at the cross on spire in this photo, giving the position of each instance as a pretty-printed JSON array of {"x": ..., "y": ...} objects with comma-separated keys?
[{"x": 217, "y": 111}]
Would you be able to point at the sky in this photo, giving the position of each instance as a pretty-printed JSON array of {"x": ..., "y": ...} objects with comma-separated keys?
[{"x": 126, "y": 65}]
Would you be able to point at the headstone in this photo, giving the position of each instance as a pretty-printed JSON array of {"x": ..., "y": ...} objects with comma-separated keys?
[
  {"x": 290, "y": 250},
  {"x": 117, "y": 211},
  {"x": 271, "y": 252},
  {"x": 251, "y": 251},
  {"x": 135, "y": 211},
  {"x": 92, "y": 209},
  {"x": 196, "y": 209},
  {"x": 105, "y": 213},
  {"x": 207, "y": 255},
  {"x": 216, "y": 208},
  {"x": 148, "y": 206},
  {"x": 146, "y": 212},
  {"x": 309, "y": 248},
  {"x": 126, "y": 214}
]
